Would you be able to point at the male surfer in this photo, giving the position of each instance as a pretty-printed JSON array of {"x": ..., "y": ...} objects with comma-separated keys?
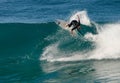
[{"x": 75, "y": 24}]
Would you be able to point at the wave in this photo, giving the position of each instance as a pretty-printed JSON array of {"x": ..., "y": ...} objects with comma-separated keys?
[
  {"x": 15, "y": 36},
  {"x": 103, "y": 45}
]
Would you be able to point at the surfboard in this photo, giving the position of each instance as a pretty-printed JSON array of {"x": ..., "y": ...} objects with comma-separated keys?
[{"x": 62, "y": 24}]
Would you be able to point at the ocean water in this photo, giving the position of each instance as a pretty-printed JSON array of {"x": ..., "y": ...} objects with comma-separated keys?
[{"x": 33, "y": 49}]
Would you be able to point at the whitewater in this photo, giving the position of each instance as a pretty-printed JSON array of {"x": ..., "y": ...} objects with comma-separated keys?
[{"x": 106, "y": 43}]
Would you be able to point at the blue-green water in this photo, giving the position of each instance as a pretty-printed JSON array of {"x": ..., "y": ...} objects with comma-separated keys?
[{"x": 33, "y": 49}]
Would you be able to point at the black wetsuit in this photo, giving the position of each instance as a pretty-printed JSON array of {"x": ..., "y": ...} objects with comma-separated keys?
[{"x": 75, "y": 24}]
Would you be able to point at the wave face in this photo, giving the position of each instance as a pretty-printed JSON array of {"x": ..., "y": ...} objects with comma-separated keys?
[{"x": 20, "y": 47}]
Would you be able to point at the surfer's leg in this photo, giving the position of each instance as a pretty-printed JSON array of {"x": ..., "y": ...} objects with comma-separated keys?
[
  {"x": 79, "y": 31},
  {"x": 74, "y": 28}
]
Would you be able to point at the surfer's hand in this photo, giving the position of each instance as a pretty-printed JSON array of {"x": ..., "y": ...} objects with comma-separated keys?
[{"x": 66, "y": 25}]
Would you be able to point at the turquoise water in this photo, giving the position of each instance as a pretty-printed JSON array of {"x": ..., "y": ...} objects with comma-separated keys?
[{"x": 33, "y": 49}]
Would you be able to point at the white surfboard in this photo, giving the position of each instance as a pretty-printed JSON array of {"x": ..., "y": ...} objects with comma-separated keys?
[{"x": 63, "y": 24}]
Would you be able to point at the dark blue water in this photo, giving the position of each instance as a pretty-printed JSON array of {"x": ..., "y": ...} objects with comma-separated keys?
[
  {"x": 43, "y": 11},
  {"x": 33, "y": 49}
]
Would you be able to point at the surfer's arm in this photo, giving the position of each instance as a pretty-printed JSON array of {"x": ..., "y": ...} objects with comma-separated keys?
[
  {"x": 78, "y": 19},
  {"x": 72, "y": 30},
  {"x": 69, "y": 25}
]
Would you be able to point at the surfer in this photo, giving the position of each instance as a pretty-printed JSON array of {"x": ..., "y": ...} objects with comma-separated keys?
[{"x": 75, "y": 24}]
